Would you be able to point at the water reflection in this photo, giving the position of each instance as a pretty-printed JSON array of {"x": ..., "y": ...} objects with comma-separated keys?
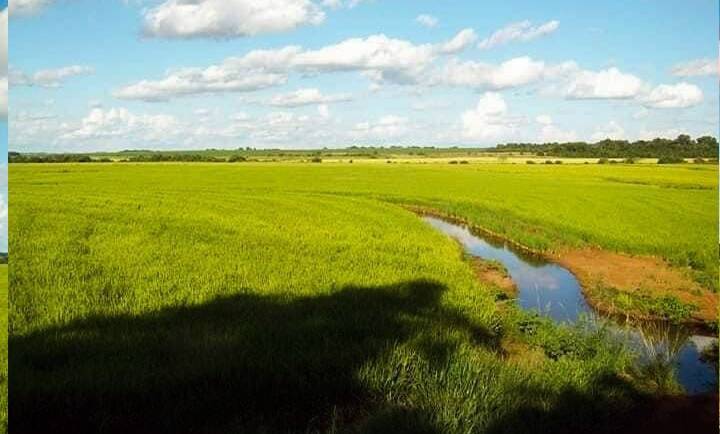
[
  {"x": 555, "y": 292},
  {"x": 544, "y": 286}
]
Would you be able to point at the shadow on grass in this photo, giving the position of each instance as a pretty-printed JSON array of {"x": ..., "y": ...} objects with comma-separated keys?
[
  {"x": 252, "y": 363},
  {"x": 613, "y": 407},
  {"x": 236, "y": 364}
]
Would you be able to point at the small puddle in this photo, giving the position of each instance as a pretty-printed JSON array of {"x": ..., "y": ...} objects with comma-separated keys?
[{"x": 553, "y": 291}]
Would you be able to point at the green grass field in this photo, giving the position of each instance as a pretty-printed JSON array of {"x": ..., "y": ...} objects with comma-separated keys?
[{"x": 302, "y": 297}]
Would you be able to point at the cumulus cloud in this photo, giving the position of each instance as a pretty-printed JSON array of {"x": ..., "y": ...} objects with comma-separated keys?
[
  {"x": 680, "y": 95},
  {"x": 259, "y": 69},
  {"x": 696, "y": 68},
  {"x": 462, "y": 40},
  {"x": 379, "y": 57},
  {"x": 669, "y": 133},
  {"x": 3, "y": 64},
  {"x": 515, "y": 72},
  {"x": 27, "y": 7},
  {"x": 119, "y": 122},
  {"x": 4, "y": 42},
  {"x": 3, "y": 98},
  {"x": 426, "y": 20},
  {"x": 49, "y": 78},
  {"x": 389, "y": 126},
  {"x": 522, "y": 31},
  {"x": 228, "y": 18},
  {"x": 303, "y": 97},
  {"x": 374, "y": 53},
  {"x": 606, "y": 84},
  {"x": 489, "y": 120},
  {"x": 335, "y": 4},
  {"x": 549, "y": 132},
  {"x": 612, "y": 130}
]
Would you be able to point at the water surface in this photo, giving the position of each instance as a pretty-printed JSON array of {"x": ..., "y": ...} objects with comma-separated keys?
[{"x": 553, "y": 291}]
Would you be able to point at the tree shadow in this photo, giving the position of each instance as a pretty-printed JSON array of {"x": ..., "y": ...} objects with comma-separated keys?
[
  {"x": 609, "y": 405},
  {"x": 603, "y": 408},
  {"x": 243, "y": 363}
]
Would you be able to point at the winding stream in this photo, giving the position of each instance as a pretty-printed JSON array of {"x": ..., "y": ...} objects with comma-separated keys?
[{"x": 554, "y": 291}]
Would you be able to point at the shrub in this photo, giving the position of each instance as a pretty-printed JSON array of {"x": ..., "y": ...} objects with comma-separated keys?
[
  {"x": 629, "y": 161},
  {"x": 529, "y": 162},
  {"x": 558, "y": 161},
  {"x": 602, "y": 161},
  {"x": 670, "y": 160},
  {"x": 464, "y": 162},
  {"x": 316, "y": 160},
  {"x": 453, "y": 162},
  {"x": 548, "y": 162},
  {"x": 236, "y": 159}
]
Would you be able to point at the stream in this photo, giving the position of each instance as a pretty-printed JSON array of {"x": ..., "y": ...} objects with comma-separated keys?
[{"x": 553, "y": 291}]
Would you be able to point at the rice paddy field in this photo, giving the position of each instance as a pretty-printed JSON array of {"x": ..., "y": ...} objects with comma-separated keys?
[{"x": 298, "y": 297}]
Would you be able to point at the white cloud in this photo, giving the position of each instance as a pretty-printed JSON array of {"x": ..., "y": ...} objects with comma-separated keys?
[
  {"x": 489, "y": 120},
  {"x": 430, "y": 105},
  {"x": 379, "y": 57},
  {"x": 680, "y": 95},
  {"x": 323, "y": 111},
  {"x": 336, "y": 4},
  {"x": 256, "y": 70},
  {"x": 606, "y": 84},
  {"x": 695, "y": 68},
  {"x": 387, "y": 127},
  {"x": 3, "y": 42},
  {"x": 374, "y": 53},
  {"x": 119, "y": 122},
  {"x": 549, "y": 132},
  {"x": 641, "y": 113},
  {"x": 3, "y": 64},
  {"x": 426, "y": 20},
  {"x": 27, "y": 7},
  {"x": 522, "y": 31},
  {"x": 303, "y": 97},
  {"x": 49, "y": 78},
  {"x": 458, "y": 43},
  {"x": 228, "y": 18},
  {"x": 612, "y": 130},
  {"x": 668, "y": 133},
  {"x": 3, "y": 98},
  {"x": 512, "y": 73},
  {"x": 544, "y": 119}
]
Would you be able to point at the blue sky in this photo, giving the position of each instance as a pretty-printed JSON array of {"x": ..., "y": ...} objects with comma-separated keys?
[{"x": 113, "y": 74}]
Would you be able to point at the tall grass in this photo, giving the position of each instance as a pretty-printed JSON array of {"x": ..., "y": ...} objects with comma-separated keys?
[{"x": 296, "y": 298}]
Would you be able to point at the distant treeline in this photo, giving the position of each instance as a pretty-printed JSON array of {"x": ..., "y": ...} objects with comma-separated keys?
[
  {"x": 16, "y": 157},
  {"x": 681, "y": 147},
  {"x": 668, "y": 150},
  {"x": 3, "y": 257}
]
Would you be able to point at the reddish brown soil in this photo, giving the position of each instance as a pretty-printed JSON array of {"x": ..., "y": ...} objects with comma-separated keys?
[
  {"x": 603, "y": 269},
  {"x": 490, "y": 273}
]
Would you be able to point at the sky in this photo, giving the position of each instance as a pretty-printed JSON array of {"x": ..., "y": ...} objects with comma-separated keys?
[
  {"x": 3, "y": 129},
  {"x": 91, "y": 75}
]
